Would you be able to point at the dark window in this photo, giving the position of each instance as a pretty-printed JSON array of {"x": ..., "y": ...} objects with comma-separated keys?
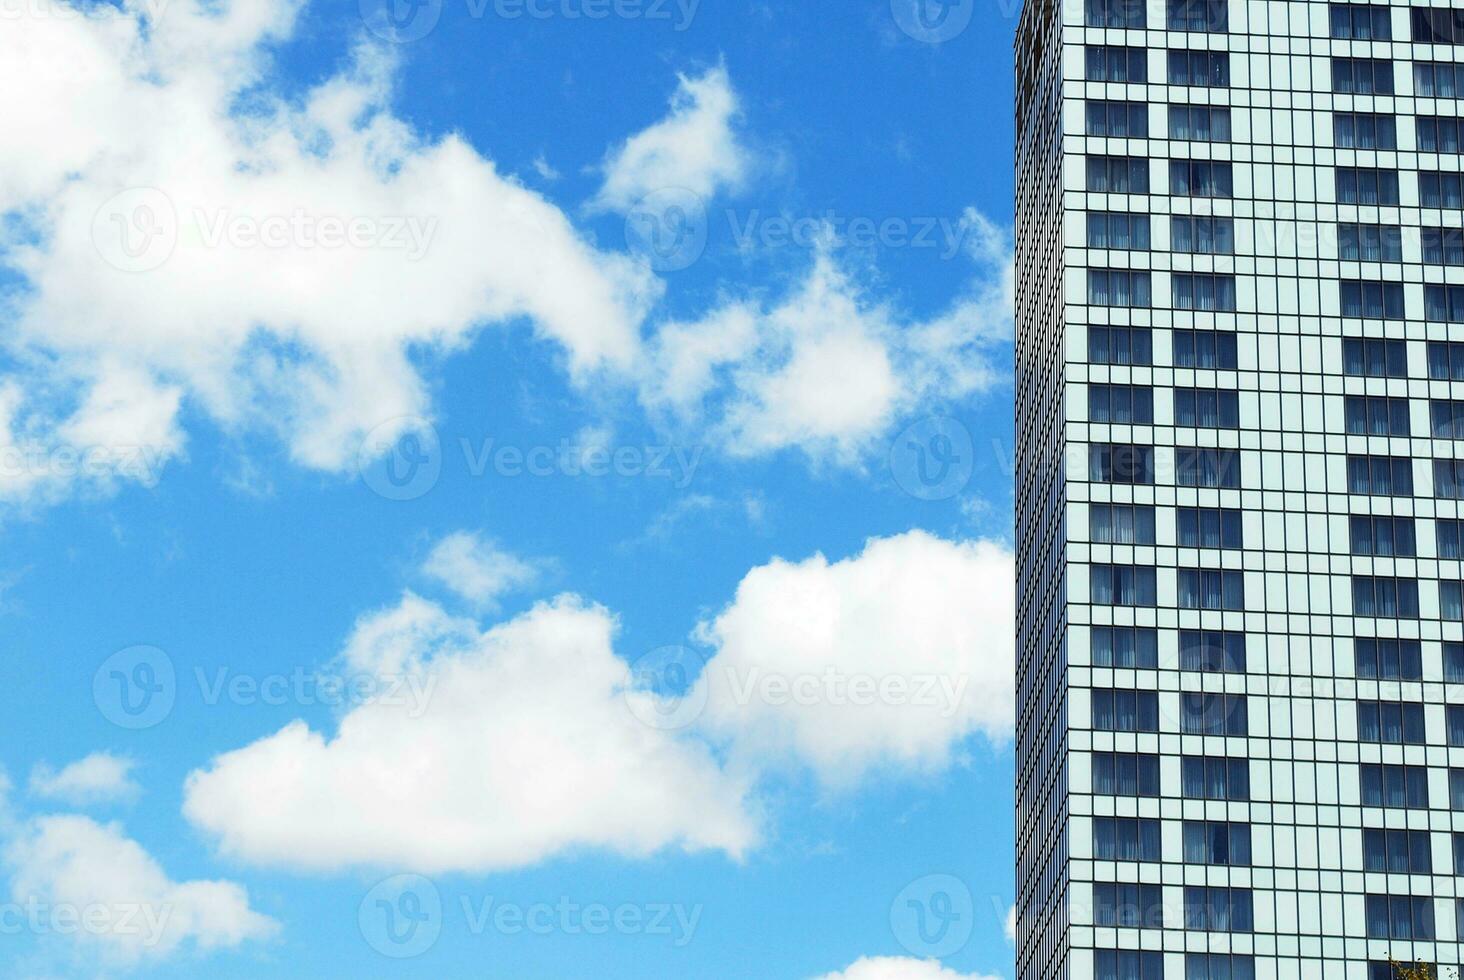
[
  {"x": 1371, "y": 299},
  {"x": 1124, "y": 710},
  {"x": 1205, "y": 713},
  {"x": 1384, "y": 597},
  {"x": 1201, "y": 69},
  {"x": 1443, "y": 303},
  {"x": 1446, "y": 418},
  {"x": 1128, "y": 905},
  {"x": 1209, "y": 527},
  {"x": 1399, "y": 917},
  {"x": 1121, "y": 404},
  {"x": 1210, "y": 408},
  {"x": 1364, "y": 131},
  {"x": 1208, "y": 16},
  {"x": 1440, "y": 190},
  {"x": 1375, "y": 415},
  {"x": 1126, "y": 839},
  {"x": 1383, "y": 537},
  {"x": 1458, "y": 840},
  {"x": 1122, "y": 585},
  {"x": 1454, "y": 661},
  {"x": 1456, "y": 789},
  {"x": 1376, "y": 358},
  {"x": 1118, "y": 287},
  {"x": 1127, "y": 964},
  {"x": 1395, "y": 786},
  {"x": 1214, "y": 651},
  {"x": 1448, "y": 541},
  {"x": 1370, "y": 243},
  {"x": 1361, "y": 22},
  {"x": 1205, "y": 349},
  {"x": 1195, "y": 467},
  {"x": 1400, "y": 851},
  {"x": 1454, "y": 723},
  {"x": 1438, "y": 25},
  {"x": 1201, "y": 123},
  {"x": 1438, "y": 134},
  {"x": 1118, "y": 119},
  {"x": 1125, "y": 646},
  {"x": 1438, "y": 79},
  {"x": 1449, "y": 478},
  {"x": 1121, "y": 463},
  {"x": 1111, "y": 229},
  {"x": 1209, "y": 291},
  {"x": 1451, "y": 601},
  {"x": 1211, "y": 909},
  {"x": 1120, "y": 345},
  {"x": 1125, "y": 774},
  {"x": 1211, "y": 588},
  {"x": 1117, "y": 175},
  {"x": 1217, "y": 842},
  {"x": 1443, "y": 246},
  {"x": 1202, "y": 235},
  {"x": 1390, "y": 722},
  {"x": 1387, "y": 659},
  {"x": 1362, "y": 76},
  {"x": 1380, "y": 476},
  {"x": 1365, "y": 185},
  {"x": 1213, "y": 777},
  {"x": 1112, "y": 63},
  {"x": 1121, "y": 523},
  {"x": 1201, "y": 178},
  {"x": 1219, "y": 966}
]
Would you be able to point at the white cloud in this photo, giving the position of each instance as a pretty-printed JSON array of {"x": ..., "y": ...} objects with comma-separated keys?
[
  {"x": 900, "y": 968},
  {"x": 887, "y": 659},
  {"x": 477, "y": 569},
  {"x": 133, "y": 910},
  {"x": 827, "y": 369},
  {"x": 1010, "y": 925},
  {"x": 99, "y": 778},
  {"x": 695, "y": 148},
  {"x": 523, "y": 747}
]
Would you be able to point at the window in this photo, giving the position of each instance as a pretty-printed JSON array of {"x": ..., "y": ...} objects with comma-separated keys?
[
  {"x": 1217, "y": 842},
  {"x": 1121, "y": 404},
  {"x": 1387, "y": 659},
  {"x": 1365, "y": 185},
  {"x": 1202, "y": 235},
  {"x": 1361, "y": 22},
  {"x": 1443, "y": 246},
  {"x": 1205, "y": 713},
  {"x": 1121, "y": 523},
  {"x": 1208, "y": 291},
  {"x": 1395, "y": 785},
  {"x": 1120, "y": 345},
  {"x": 1201, "y": 178},
  {"x": 1438, "y": 134},
  {"x": 1127, "y": 964},
  {"x": 1122, "y": 585},
  {"x": 1121, "y": 463},
  {"x": 1440, "y": 190},
  {"x": 1124, "y": 710},
  {"x": 1438, "y": 79},
  {"x": 1205, "y": 349},
  {"x": 1390, "y": 722},
  {"x": 1210, "y": 408},
  {"x": 1438, "y": 25},
  {"x": 1125, "y": 646},
  {"x": 1451, "y": 601},
  {"x": 1209, "y": 527},
  {"x": 1118, "y": 119},
  {"x": 1370, "y": 243},
  {"x": 1126, "y": 839},
  {"x": 1201, "y": 69},
  {"x": 1119, "y": 287},
  {"x": 1449, "y": 478},
  {"x": 1128, "y": 905},
  {"x": 1399, "y": 917},
  {"x": 1454, "y": 662},
  {"x": 1458, "y": 842},
  {"x": 1456, "y": 789},
  {"x": 1210, "y": 909},
  {"x": 1446, "y": 418},
  {"x": 1125, "y": 774},
  {"x": 1108, "y": 229},
  {"x": 1194, "y": 467},
  {"x": 1197, "y": 15},
  {"x": 1213, "y": 777},
  {"x": 1202, "y": 123},
  {"x": 1211, "y": 588},
  {"x": 1400, "y": 851},
  {"x": 1370, "y": 358},
  {"x": 1364, "y": 131},
  {"x": 1371, "y": 299},
  {"x": 1380, "y": 476},
  {"x": 1213, "y": 651},
  {"x": 1219, "y": 966},
  {"x": 1117, "y": 175},
  {"x": 1384, "y": 597},
  {"x": 1362, "y": 76},
  {"x": 1448, "y": 541},
  {"x": 1454, "y": 723},
  {"x": 1383, "y": 537},
  {"x": 1374, "y": 415},
  {"x": 1381, "y": 970},
  {"x": 1112, "y": 63},
  {"x": 1445, "y": 303}
]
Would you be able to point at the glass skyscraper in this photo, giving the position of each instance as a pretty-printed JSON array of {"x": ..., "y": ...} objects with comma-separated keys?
[{"x": 1240, "y": 435}]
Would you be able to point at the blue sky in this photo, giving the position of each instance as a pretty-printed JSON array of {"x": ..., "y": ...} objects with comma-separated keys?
[{"x": 641, "y": 461}]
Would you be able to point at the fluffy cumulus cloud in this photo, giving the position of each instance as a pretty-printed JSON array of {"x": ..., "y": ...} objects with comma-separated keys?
[
  {"x": 477, "y": 569},
  {"x": 826, "y": 368},
  {"x": 481, "y": 751},
  {"x": 99, "y": 778},
  {"x": 889, "y": 658},
  {"x": 125, "y": 905},
  {"x": 900, "y": 968},
  {"x": 695, "y": 148}
]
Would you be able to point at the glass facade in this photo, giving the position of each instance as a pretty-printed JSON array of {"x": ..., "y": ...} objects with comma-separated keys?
[{"x": 1240, "y": 466}]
